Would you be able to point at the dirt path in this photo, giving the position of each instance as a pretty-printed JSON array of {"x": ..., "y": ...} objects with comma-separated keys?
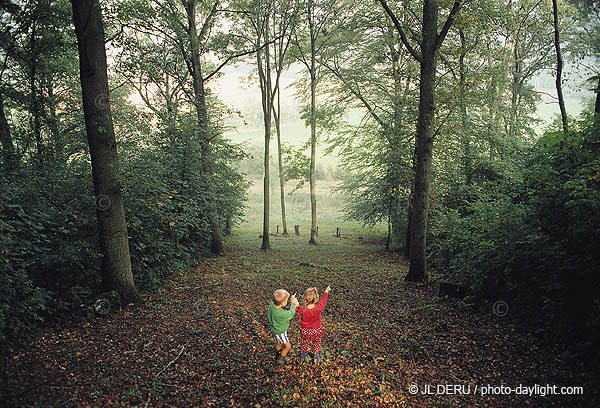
[{"x": 204, "y": 341}]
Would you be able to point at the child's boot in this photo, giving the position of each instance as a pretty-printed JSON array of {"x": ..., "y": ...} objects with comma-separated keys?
[
  {"x": 303, "y": 356},
  {"x": 316, "y": 357}
]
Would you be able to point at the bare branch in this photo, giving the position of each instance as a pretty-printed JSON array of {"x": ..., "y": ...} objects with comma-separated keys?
[{"x": 170, "y": 362}]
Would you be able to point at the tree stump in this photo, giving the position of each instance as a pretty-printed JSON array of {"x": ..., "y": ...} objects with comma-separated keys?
[{"x": 297, "y": 229}]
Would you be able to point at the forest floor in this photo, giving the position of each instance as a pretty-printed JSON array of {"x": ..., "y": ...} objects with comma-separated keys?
[{"x": 204, "y": 340}]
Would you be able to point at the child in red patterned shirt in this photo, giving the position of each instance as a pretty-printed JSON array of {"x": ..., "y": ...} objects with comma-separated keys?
[{"x": 312, "y": 328}]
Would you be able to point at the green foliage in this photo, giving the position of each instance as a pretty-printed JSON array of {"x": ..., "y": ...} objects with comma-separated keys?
[
  {"x": 533, "y": 236},
  {"x": 493, "y": 248},
  {"x": 296, "y": 165},
  {"x": 22, "y": 306},
  {"x": 329, "y": 117},
  {"x": 166, "y": 199},
  {"x": 377, "y": 179},
  {"x": 48, "y": 235},
  {"x": 47, "y": 241}
]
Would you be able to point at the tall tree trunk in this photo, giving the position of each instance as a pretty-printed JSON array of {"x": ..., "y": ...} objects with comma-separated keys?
[
  {"x": 430, "y": 47},
  {"x": 465, "y": 136},
  {"x": 597, "y": 109},
  {"x": 264, "y": 72},
  {"x": 9, "y": 155},
  {"x": 313, "y": 130},
  {"x": 514, "y": 99},
  {"x": 399, "y": 100},
  {"x": 280, "y": 162},
  {"x": 35, "y": 103},
  {"x": 202, "y": 123},
  {"x": 116, "y": 264},
  {"x": 424, "y": 144},
  {"x": 266, "y": 244},
  {"x": 407, "y": 234},
  {"x": 559, "y": 68},
  {"x": 59, "y": 144}
]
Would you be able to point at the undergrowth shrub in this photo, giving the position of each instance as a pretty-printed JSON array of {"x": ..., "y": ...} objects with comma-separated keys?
[
  {"x": 532, "y": 237},
  {"x": 50, "y": 255}
]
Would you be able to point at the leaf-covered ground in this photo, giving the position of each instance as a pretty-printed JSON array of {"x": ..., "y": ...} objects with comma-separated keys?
[{"x": 204, "y": 341}]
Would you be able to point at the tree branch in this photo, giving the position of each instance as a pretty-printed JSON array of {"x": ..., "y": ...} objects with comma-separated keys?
[
  {"x": 170, "y": 362},
  {"x": 241, "y": 54},
  {"x": 401, "y": 32},
  {"x": 442, "y": 35},
  {"x": 207, "y": 22}
]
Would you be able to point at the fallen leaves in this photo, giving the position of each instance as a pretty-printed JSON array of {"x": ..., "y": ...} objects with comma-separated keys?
[{"x": 205, "y": 341}]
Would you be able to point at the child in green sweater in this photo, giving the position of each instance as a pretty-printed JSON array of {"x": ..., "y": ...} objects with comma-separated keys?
[{"x": 279, "y": 321}]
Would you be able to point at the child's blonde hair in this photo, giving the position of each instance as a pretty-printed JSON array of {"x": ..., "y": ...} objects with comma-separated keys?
[
  {"x": 280, "y": 296},
  {"x": 311, "y": 296}
]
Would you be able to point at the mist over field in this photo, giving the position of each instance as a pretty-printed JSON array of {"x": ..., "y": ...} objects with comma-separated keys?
[{"x": 238, "y": 88}]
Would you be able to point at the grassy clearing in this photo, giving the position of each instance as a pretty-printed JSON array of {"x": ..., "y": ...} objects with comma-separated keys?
[{"x": 329, "y": 211}]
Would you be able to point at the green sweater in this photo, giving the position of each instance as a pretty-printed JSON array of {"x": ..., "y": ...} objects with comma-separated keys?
[{"x": 279, "y": 318}]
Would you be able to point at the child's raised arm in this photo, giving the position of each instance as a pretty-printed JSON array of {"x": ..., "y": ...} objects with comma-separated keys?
[{"x": 323, "y": 302}]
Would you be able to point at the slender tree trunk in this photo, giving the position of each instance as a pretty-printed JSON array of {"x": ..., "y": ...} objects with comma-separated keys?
[
  {"x": 35, "y": 104},
  {"x": 280, "y": 162},
  {"x": 559, "y": 68},
  {"x": 59, "y": 144},
  {"x": 465, "y": 136},
  {"x": 116, "y": 264},
  {"x": 264, "y": 72},
  {"x": 9, "y": 155},
  {"x": 389, "y": 225},
  {"x": 400, "y": 94},
  {"x": 266, "y": 244},
  {"x": 597, "y": 109},
  {"x": 283, "y": 27},
  {"x": 313, "y": 132},
  {"x": 202, "y": 122},
  {"x": 407, "y": 235},
  {"x": 491, "y": 93},
  {"x": 424, "y": 144}
]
